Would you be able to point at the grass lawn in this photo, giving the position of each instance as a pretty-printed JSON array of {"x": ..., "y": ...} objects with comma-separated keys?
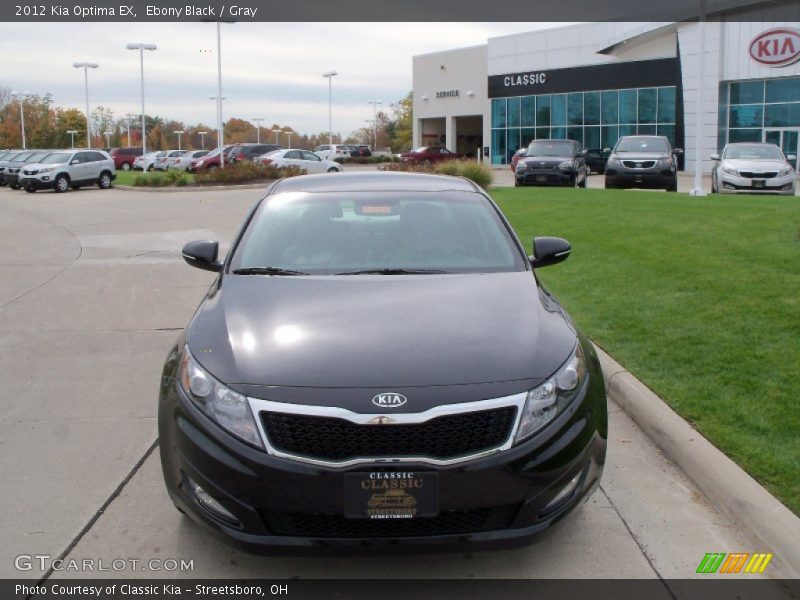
[
  {"x": 698, "y": 297},
  {"x": 127, "y": 177}
]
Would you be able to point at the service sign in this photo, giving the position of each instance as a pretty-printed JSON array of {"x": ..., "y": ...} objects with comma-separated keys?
[{"x": 776, "y": 47}]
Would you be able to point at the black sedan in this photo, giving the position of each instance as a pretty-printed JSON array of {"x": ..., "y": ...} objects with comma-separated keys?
[{"x": 377, "y": 363}]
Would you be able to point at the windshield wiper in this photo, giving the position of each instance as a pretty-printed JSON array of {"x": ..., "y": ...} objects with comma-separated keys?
[
  {"x": 393, "y": 272},
  {"x": 266, "y": 271}
]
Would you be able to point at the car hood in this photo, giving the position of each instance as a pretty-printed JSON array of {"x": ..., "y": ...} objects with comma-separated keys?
[
  {"x": 754, "y": 165},
  {"x": 536, "y": 160},
  {"x": 377, "y": 331},
  {"x": 641, "y": 155}
]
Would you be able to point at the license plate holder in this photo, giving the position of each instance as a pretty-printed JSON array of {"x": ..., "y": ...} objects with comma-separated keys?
[
  {"x": 391, "y": 495},
  {"x": 541, "y": 178},
  {"x": 758, "y": 183}
]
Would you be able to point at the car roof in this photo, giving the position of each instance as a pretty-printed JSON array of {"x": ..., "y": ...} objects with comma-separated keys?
[{"x": 374, "y": 182}]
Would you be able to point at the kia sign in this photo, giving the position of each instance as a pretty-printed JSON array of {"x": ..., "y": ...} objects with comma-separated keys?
[{"x": 776, "y": 47}]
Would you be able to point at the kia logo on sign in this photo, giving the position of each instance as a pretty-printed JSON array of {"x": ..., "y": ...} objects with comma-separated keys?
[
  {"x": 776, "y": 47},
  {"x": 389, "y": 400}
]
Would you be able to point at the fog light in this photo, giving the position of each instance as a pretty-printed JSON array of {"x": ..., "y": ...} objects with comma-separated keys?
[
  {"x": 728, "y": 186},
  {"x": 205, "y": 500},
  {"x": 565, "y": 493},
  {"x": 45, "y": 178}
]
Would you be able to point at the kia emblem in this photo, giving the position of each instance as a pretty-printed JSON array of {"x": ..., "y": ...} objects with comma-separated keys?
[{"x": 389, "y": 400}]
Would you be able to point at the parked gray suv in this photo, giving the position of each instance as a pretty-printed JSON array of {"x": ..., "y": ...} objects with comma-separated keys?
[
  {"x": 643, "y": 161},
  {"x": 66, "y": 169}
]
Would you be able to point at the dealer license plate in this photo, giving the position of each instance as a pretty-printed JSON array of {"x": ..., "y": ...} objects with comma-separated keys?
[
  {"x": 758, "y": 183},
  {"x": 541, "y": 178},
  {"x": 391, "y": 495}
]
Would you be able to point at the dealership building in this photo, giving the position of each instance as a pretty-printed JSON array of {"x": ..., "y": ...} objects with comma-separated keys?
[{"x": 595, "y": 82}]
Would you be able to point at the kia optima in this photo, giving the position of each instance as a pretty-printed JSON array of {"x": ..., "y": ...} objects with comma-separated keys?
[{"x": 377, "y": 363}]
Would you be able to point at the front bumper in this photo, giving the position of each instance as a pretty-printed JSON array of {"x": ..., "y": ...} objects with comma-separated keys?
[
  {"x": 497, "y": 501},
  {"x": 734, "y": 184},
  {"x": 622, "y": 177},
  {"x": 37, "y": 182},
  {"x": 545, "y": 177}
]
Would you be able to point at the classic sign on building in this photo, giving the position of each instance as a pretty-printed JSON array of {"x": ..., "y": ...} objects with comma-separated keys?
[{"x": 776, "y": 47}]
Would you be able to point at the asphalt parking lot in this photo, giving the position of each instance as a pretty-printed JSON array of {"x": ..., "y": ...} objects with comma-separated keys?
[{"x": 93, "y": 292}]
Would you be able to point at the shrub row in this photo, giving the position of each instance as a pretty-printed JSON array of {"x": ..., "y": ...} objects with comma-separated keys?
[
  {"x": 161, "y": 179},
  {"x": 368, "y": 160},
  {"x": 470, "y": 169},
  {"x": 245, "y": 171}
]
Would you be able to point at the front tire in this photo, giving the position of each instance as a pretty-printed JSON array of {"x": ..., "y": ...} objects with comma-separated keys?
[
  {"x": 714, "y": 187},
  {"x": 673, "y": 187},
  {"x": 15, "y": 186},
  {"x": 105, "y": 181},
  {"x": 126, "y": 166},
  {"x": 61, "y": 184},
  {"x": 30, "y": 190},
  {"x": 333, "y": 170}
]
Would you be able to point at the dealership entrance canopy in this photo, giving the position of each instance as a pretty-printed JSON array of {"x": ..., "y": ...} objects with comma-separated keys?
[{"x": 595, "y": 82}]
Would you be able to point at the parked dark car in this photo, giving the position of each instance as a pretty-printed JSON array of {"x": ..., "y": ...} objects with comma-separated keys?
[
  {"x": 360, "y": 151},
  {"x": 551, "y": 162},
  {"x": 124, "y": 157},
  {"x": 643, "y": 161},
  {"x": 596, "y": 159},
  {"x": 427, "y": 155},
  {"x": 13, "y": 167},
  {"x": 370, "y": 332},
  {"x": 249, "y": 151}
]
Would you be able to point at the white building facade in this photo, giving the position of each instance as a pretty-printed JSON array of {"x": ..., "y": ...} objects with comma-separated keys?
[{"x": 596, "y": 82}]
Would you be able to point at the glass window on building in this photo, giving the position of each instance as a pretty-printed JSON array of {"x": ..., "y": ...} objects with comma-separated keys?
[
  {"x": 762, "y": 110},
  {"x": 512, "y": 144},
  {"x": 512, "y": 112},
  {"x": 666, "y": 105},
  {"x": 647, "y": 106},
  {"x": 575, "y": 109},
  {"x": 747, "y": 92},
  {"x": 747, "y": 115},
  {"x": 610, "y": 103},
  {"x": 609, "y": 134},
  {"x": 591, "y": 137},
  {"x": 542, "y": 133},
  {"x": 591, "y": 108},
  {"x": 498, "y": 146},
  {"x": 745, "y": 135},
  {"x": 575, "y": 133},
  {"x": 543, "y": 111},
  {"x": 528, "y": 112},
  {"x": 527, "y": 136},
  {"x": 498, "y": 113},
  {"x": 627, "y": 106},
  {"x": 558, "y": 109},
  {"x": 783, "y": 90}
]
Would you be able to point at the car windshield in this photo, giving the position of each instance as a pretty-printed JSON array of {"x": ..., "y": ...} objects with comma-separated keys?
[
  {"x": 36, "y": 157},
  {"x": 392, "y": 233},
  {"x": 55, "y": 158},
  {"x": 753, "y": 152},
  {"x": 642, "y": 144},
  {"x": 550, "y": 149},
  {"x": 421, "y": 149}
]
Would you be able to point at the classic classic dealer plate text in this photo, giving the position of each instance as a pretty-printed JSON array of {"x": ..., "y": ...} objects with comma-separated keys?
[{"x": 391, "y": 495}]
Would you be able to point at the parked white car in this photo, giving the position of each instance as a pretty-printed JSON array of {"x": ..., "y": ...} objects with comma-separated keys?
[
  {"x": 146, "y": 162},
  {"x": 753, "y": 168},
  {"x": 164, "y": 162},
  {"x": 339, "y": 151},
  {"x": 302, "y": 159},
  {"x": 182, "y": 162}
]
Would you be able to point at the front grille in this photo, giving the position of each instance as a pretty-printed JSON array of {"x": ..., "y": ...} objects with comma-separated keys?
[
  {"x": 753, "y": 175},
  {"x": 318, "y": 525},
  {"x": 639, "y": 164},
  {"x": 334, "y": 439},
  {"x": 30, "y": 171}
]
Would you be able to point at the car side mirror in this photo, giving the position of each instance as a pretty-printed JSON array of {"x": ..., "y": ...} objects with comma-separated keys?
[
  {"x": 75, "y": 161},
  {"x": 715, "y": 157},
  {"x": 607, "y": 150},
  {"x": 202, "y": 254},
  {"x": 678, "y": 150},
  {"x": 549, "y": 251},
  {"x": 791, "y": 157}
]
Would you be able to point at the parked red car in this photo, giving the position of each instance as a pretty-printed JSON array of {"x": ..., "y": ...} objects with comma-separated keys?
[
  {"x": 427, "y": 155},
  {"x": 124, "y": 157},
  {"x": 209, "y": 161},
  {"x": 515, "y": 159}
]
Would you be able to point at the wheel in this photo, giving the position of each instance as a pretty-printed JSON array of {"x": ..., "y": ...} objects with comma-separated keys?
[
  {"x": 105, "y": 181},
  {"x": 15, "y": 186},
  {"x": 333, "y": 170},
  {"x": 583, "y": 183},
  {"x": 30, "y": 190},
  {"x": 126, "y": 166},
  {"x": 426, "y": 163},
  {"x": 609, "y": 185},
  {"x": 714, "y": 188},
  {"x": 673, "y": 187},
  {"x": 150, "y": 168},
  {"x": 62, "y": 184}
]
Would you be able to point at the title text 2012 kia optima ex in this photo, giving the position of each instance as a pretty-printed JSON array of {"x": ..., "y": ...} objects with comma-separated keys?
[{"x": 377, "y": 364}]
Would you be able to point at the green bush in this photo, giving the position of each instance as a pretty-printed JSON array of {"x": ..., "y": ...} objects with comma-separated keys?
[
  {"x": 477, "y": 172},
  {"x": 181, "y": 180},
  {"x": 244, "y": 171},
  {"x": 470, "y": 169},
  {"x": 141, "y": 180}
]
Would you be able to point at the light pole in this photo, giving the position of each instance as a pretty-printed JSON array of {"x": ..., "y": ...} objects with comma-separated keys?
[
  {"x": 21, "y": 96},
  {"x": 141, "y": 47},
  {"x": 258, "y": 121},
  {"x": 108, "y": 133},
  {"x": 202, "y": 135},
  {"x": 330, "y": 75},
  {"x": 277, "y": 132},
  {"x": 86, "y": 66},
  {"x": 375, "y": 122},
  {"x": 219, "y": 100},
  {"x": 179, "y": 132},
  {"x": 289, "y": 135},
  {"x": 128, "y": 118},
  {"x": 701, "y": 33},
  {"x": 72, "y": 133}
]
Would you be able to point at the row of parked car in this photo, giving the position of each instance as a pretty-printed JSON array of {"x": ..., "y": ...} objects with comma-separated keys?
[
  {"x": 649, "y": 161},
  {"x": 58, "y": 170}
]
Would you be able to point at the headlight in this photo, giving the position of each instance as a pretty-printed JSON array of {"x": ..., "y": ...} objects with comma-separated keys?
[
  {"x": 665, "y": 162},
  {"x": 521, "y": 165},
  {"x": 613, "y": 161},
  {"x": 785, "y": 171},
  {"x": 730, "y": 171},
  {"x": 228, "y": 409},
  {"x": 47, "y": 169},
  {"x": 567, "y": 164},
  {"x": 550, "y": 398}
]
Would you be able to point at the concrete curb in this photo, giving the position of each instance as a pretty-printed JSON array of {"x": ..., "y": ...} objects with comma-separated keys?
[
  {"x": 192, "y": 188},
  {"x": 758, "y": 514}
]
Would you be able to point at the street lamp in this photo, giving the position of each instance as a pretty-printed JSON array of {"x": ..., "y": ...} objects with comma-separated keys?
[
  {"x": 374, "y": 122},
  {"x": 21, "y": 96},
  {"x": 289, "y": 135},
  {"x": 202, "y": 135},
  {"x": 219, "y": 100},
  {"x": 128, "y": 118},
  {"x": 141, "y": 47},
  {"x": 108, "y": 133},
  {"x": 72, "y": 133},
  {"x": 179, "y": 132},
  {"x": 86, "y": 66},
  {"x": 258, "y": 121},
  {"x": 330, "y": 75},
  {"x": 277, "y": 132}
]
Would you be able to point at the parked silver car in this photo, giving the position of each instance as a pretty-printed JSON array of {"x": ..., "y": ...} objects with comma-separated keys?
[
  {"x": 146, "y": 162},
  {"x": 753, "y": 168},
  {"x": 182, "y": 162},
  {"x": 64, "y": 169},
  {"x": 164, "y": 162}
]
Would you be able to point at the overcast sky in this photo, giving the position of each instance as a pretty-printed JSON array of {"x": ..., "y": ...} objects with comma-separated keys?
[{"x": 271, "y": 70}]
